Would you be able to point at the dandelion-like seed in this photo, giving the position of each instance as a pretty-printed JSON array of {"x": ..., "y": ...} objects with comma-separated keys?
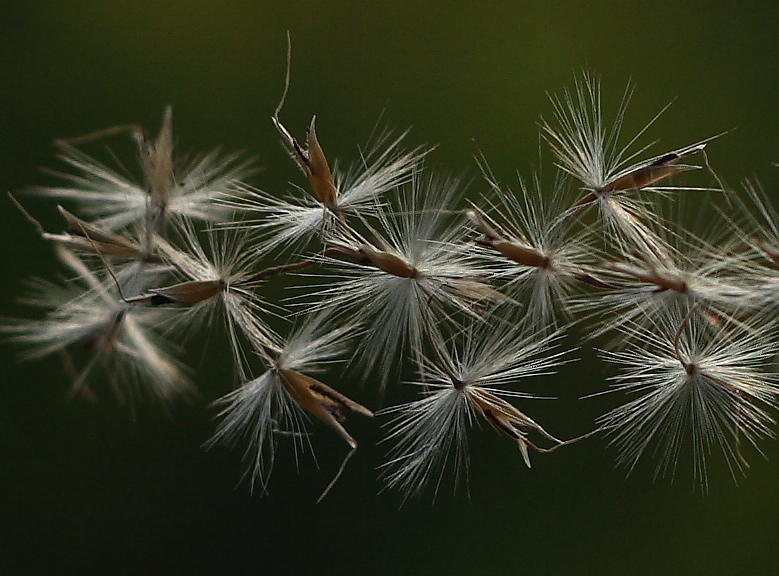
[
  {"x": 589, "y": 152},
  {"x": 217, "y": 279},
  {"x": 540, "y": 261},
  {"x": 86, "y": 238},
  {"x": 699, "y": 379},
  {"x": 118, "y": 338},
  {"x": 463, "y": 382},
  {"x": 289, "y": 222},
  {"x": 169, "y": 188},
  {"x": 756, "y": 239},
  {"x": 414, "y": 268},
  {"x": 684, "y": 270},
  {"x": 275, "y": 404}
]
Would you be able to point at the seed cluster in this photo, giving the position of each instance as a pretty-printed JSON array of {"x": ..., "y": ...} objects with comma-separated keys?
[{"x": 401, "y": 262}]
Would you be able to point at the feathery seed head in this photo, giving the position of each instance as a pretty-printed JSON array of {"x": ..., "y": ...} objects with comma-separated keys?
[
  {"x": 531, "y": 248},
  {"x": 413, "y": 269},
  {"x": 85, "y": 312},
  {"x": 588, "y": 150},
  {"x": 698, "y": 380},
  {"x": 466, "y": 378},
  {"x": 214, "y": 279},
  {"x": 679, "y": 270},
  {"x": 292, "y": 221},
  {"x": 276, "y": 403},
  {"x": 170, "y": 188}
]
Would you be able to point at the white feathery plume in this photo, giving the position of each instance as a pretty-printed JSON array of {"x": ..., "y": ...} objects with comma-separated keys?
[
  {"x": 683, "y": 270},
  {"x": 275, "y": 404},
  {"x": 216, "y": 279},
  {"x": 115, "y": 200},
  {"x": 589, "y": 151},
  {"x": 697, "y": 380},
  {"x": 414, "y": 266},
  {"x": 464, "y": 381},
  {"x": 756, "y": 238},
  {"x": 291, "y": 221},
  {"x": 121, "y": 340},
  {"x": 541, "y": 261}
]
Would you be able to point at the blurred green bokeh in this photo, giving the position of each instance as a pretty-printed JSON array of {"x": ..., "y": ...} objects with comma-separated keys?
[{"x": 84, "y": 489}]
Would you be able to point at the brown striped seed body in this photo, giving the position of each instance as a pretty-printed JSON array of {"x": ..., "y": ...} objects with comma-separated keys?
[{"x": 321, "y": 401}]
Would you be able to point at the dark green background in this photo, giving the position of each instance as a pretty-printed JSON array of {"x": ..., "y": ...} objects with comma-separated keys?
[{"x": 84, "y": 489}]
